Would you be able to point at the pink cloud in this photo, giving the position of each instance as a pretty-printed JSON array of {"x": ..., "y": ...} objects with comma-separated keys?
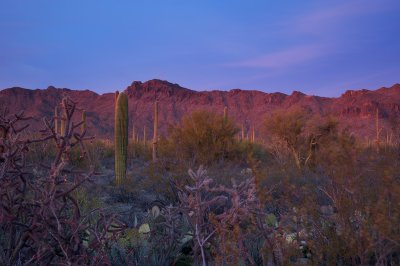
[
  {"x": 324, "y": 25},
  {"x": 318, "y": 21},
  {"x": 283, "y": 58}
]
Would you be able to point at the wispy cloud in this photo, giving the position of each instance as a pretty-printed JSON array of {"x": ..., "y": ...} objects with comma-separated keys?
[
  {"x": 314, "y": 34},
  {"x": 322, "y": 19},
  {"x": 283, "y": 58}
]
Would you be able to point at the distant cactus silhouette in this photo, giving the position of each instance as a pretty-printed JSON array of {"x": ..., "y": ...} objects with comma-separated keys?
[
  {"x": 243, "y": 132},
  {"x": 225, "y": 114},
  {"x": 56, "y": 119},
  {"x": 133, "y": 134},
  {"x": 62, "y": 125},
  {"x": 155, "y": 132},
  {"x": 144, "y": 136},
  {"x": 253, "y": 135}
]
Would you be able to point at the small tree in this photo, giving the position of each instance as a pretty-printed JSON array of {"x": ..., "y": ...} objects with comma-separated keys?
[
  {"x": 203, "y": 138},
  {"x": 289, "y": 127}
]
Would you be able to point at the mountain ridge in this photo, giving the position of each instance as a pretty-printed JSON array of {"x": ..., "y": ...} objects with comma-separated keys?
[{"x": 355, "y": 109}]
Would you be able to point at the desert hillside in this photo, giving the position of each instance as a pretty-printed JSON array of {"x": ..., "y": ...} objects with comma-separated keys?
[{"x": 355, "y": 109}]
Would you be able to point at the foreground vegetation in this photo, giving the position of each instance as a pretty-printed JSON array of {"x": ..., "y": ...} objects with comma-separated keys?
[{"x": 312, "y": 194}]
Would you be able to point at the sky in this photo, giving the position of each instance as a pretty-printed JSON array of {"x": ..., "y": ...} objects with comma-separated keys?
[{"x": 317, "y": 47}]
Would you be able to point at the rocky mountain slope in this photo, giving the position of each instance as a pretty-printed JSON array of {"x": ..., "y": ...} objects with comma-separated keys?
[{"x": 356, "y": 109}]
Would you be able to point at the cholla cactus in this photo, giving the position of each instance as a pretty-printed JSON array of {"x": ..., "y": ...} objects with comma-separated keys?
[
  {"x": 121, "y": 137},
  {"x": 197, "y": 202},
  {"x": 196, "y": 206}
]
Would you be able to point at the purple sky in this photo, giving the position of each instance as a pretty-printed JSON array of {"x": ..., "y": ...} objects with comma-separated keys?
[{"x": 318, "y": 47}]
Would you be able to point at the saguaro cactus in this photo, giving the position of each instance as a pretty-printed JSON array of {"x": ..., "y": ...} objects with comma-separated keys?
[
  {"x": 83, "y": 127},
  {"x": 225, "y": 114},
  {"x": 133, "y": 134},
  {"x": 121, "y": 136},
  {"x": 56, "y": 119},
  {"x": 116, "y": 96},
  {"x": 62, "y": 125},
  {"x": 377, "y": 130},
  {"x": 155, "y": 131},
  {"x": 144, "y": 136}
]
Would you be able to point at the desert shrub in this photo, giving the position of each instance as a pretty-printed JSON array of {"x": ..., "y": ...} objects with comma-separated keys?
[
  {"x": 139, "y": 151},
  {"x": 329, "y": 206},
  {"x": 289, "y": 126},
  {"x": 40, "y": 152},
  {"x": 98, "y": 155},
  {"x": 201, "y": 138}
]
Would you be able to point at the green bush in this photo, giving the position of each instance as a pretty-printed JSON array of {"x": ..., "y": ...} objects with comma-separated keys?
[{"x": 201, "y": 138}]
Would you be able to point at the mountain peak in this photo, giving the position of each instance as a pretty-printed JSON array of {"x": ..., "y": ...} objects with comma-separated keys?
[{"x": 156, "y": 86}]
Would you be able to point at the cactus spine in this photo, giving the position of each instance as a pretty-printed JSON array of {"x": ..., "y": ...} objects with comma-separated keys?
[
  {"x": 121, "y": 137},
  {"x": 155, "y": 131}
]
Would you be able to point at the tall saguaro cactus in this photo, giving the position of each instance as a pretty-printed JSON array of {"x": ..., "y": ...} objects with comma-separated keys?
[
  {"x": 144, "y": 136},
  {"x": 155, "y": 131},
  {"x": 243, "y": 132},
  {"x": 121, "y": 136},
  {"x": 62, "y": 124},
  {"x": 56, "y": 119},
  {"x": 225, "y": 114},
  {"x": 116, "y": 96},
  {"x": 378, "y": 131},
  {"x": 83, "y": 127},
  {"x": 133, "y": 134}
]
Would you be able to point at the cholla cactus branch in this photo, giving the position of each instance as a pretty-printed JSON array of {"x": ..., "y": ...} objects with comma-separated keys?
[{"x": 40, "y": 220}]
